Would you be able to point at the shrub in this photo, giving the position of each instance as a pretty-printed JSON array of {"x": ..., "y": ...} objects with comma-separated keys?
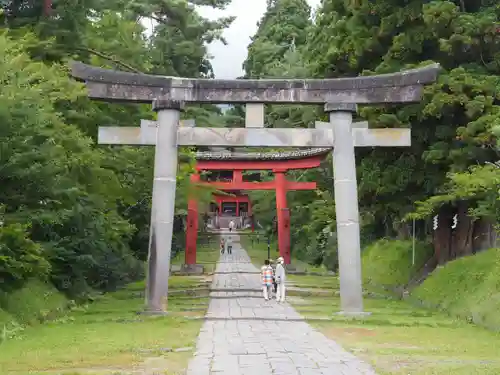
[
  {"x": 36, "y": 302},
  {"x": 8, "y": 326},
  {"x": 6, "y": 320},
  {"x": 20, "y": 258}
]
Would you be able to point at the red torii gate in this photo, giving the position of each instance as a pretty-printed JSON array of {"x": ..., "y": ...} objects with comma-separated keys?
[{"x": 277, "y": 162}]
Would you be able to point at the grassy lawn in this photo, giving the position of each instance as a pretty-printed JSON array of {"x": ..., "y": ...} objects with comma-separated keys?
[
  {"x": 109, "y": 337},
  {"x": 207, "y": 252},
  {"x": 400, "y": 339},
  {"x": 257, "y": 251},
  {"x": 311, "y": 282}
]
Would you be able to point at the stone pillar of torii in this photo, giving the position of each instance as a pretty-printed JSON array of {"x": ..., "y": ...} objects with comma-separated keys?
[{"x": 168, "y": 95}]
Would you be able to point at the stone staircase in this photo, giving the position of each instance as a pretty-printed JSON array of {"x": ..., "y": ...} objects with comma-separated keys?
[
  {"x": 225, "y": 220},
  {"x": 222, "y": 222}
]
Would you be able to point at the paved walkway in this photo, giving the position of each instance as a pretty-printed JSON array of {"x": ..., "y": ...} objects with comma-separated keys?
[{"x": 248, "y": 336}]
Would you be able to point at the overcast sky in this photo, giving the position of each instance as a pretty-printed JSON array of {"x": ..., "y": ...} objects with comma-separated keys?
[{"x": 227, "y": 60}]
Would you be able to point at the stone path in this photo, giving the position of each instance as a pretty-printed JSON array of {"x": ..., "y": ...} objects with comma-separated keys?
[{"x": 245, "y": 335}]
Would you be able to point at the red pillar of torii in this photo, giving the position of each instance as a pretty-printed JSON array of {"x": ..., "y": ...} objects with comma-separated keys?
[{"x": 278, "y": 163}]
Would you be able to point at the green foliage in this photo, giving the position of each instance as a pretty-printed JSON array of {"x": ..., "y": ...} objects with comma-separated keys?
[
  {"x": 89, "y": 208},
  {"x": 455, "y": 129},
  {"x": 479, "y": 184},
  {"x": 283, "y": 26},
  {"x": 452, "y": 127},
  {"x": 20, "y": 258},
  {"x": 388, "y": 263},
  {"x": 275, "y": 54},
  {"x": 314, "y": 234},
  {"x": 7, "y": 321},
  {"x": 467, "y": 288},
  {"x": 36, "y": 302},
  {"x": 64, "y": 186}
]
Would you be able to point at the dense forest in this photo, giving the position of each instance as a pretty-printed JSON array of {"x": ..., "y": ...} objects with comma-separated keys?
[
  {"x": 74, "y": 213},
  {"x": 77, "y": 214},
  {"x": 450, "y": 168}
]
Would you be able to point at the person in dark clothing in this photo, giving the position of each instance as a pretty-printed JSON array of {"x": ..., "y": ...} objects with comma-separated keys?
[
  {"x": 275, "y": 285},
  {"x": 229, "y": 243}
]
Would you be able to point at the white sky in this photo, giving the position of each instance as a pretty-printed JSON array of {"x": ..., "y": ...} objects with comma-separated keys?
[{"x": 227, "y": 60}]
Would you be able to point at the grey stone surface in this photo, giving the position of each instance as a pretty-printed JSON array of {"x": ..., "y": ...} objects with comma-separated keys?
[
  {"x": 192, "y": 269},
  {"x": 112, "y": 85},
  {"x": 246, "y": 340},
  {"x": 254, "y": 115},
  {"x": 355, "y": 125},
  {"x": 255, "y": 137},
  {"x": 271, "y": 155},
  {"x": 347, "y": 212},
  {"x": 317, "y": 141},
  {"x": 351, "y": 107},
  {"x": 162, "y": 209}
]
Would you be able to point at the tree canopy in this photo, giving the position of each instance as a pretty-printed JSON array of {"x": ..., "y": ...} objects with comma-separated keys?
[
  {"x": 73, "y": 212},
  {"x": 455, "y": 127}
]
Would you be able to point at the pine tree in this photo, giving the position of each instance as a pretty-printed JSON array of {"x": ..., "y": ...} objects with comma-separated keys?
[
  {"x": 451, "y": 127},
  {"x": 283, "y": 26}
]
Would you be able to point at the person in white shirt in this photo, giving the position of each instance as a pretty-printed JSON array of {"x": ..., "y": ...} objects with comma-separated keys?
[
  {"x": 231, "y": 225},
  {"x": 280, "y": 276}
]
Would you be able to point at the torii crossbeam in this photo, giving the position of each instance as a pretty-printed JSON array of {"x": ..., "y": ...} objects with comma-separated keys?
[
  {"x": 322, "y": 136},
  {"x": 112, "y": 85},
  {"x": 168, "y": 95}
]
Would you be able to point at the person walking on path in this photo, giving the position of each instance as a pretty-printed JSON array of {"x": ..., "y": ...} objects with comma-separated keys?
[
  {"x": 222, "y": 245},
  {"x": 280, "y": 280},
  {"x": 231, "y": 225},
  {"x": 229, "y": 244},
  {"x": 267, "y": 279},
  {"x": 275, "y": 286}
]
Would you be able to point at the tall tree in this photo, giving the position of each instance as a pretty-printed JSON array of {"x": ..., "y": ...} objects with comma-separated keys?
[
  {"x": 278, "y": 52},
  {"x": 103, "y": 196},
  {"x": 54, "y": 182},
  {"x": 452, "y": 126},
  {"x": 283, "y": 26}
]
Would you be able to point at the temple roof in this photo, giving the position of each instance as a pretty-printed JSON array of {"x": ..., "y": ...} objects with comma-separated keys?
[{"x": 240, "y": 156}]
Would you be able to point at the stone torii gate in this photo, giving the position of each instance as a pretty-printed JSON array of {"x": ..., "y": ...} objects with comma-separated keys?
[
  {"x": 168, "y": 95},
  {"x": 276, "y": 162}
]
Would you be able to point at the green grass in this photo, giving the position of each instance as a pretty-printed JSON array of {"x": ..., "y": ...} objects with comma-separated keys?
[
  {"x": 36, "y": 302},
  {"x": 108, "y": 336},
  {"x": 309, "y": 281},
  {"x": 468, "y": 288},
  {"x": 5, "y": 317},
  {"x": 399, "y": 338},
  {"x": 388, "y": 263},
  {"x": 7, "y": 321},
  {"x": 258, "y": 253},
  {"x": 175, "y": 283},
  {"x": 207, "y": 253}
]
